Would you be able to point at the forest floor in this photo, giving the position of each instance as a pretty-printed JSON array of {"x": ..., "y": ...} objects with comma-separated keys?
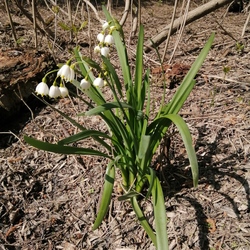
[{"x": 49, "y": 201}]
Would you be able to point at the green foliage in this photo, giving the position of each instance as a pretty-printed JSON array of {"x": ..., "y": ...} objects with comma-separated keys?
[{"x": 132, "y": 140}]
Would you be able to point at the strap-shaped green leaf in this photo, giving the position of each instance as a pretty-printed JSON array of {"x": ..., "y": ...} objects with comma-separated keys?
[
  {"x": 106, "y": 106},
  {"x": 62, "y": 149},
  {"x": 160, "y": 216},
  {"x": 143, "y": 220},
  {"x": 106, "y": 195}
]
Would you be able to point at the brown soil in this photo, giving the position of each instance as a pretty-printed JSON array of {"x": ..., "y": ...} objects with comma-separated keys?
[{"x": 49, "y": 201}]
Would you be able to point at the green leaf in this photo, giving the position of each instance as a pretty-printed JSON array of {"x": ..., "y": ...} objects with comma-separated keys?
[
  {"x": 115, "y": 77},
  {"x": 83, "y": 25},
  {"x": 143, "y": 220},
  {"x": 62, "y": 149},
  {"x": 64, "y": 26},
  {"x": 106, "y": 106},
  {"x": 160, "y": 216},
  {"x": 86, "y": 134},
  {"x": 106, "y": 195},
  {"x": 128, "y": 195},
  {"x": 83, "y": 135},
  {"x": 139, "y": 69},
  {"x": 187, "y": 139},
  {"x": 188, "y": 83}
]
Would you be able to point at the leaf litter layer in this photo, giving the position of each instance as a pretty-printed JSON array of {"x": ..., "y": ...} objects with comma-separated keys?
[{"x": 49, "y": 201}]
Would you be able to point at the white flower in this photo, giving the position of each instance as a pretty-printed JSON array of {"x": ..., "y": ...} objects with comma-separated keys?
[
  {"x": 54, "y": 92},
  {"x": 105, "y": 25},
  {"x": 109, "y": 39},
  {"x": 98, "y": 82},
  {"x": 105, "y": 51},
  {"x": 85, "y": 84},
  {"x": 100, "y": 37},
  {"x": 66, "y": 72},
  {"x": 42, "y": 89},
  {"x": 64, "y": 91},
  {"x": 97, "y": 49}
]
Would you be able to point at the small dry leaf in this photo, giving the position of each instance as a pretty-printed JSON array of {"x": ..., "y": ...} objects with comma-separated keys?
[{"x": 212, "y": 225}]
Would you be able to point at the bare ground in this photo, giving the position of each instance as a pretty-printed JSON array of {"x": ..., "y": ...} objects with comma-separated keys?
[{"x": 50, "y": 201}]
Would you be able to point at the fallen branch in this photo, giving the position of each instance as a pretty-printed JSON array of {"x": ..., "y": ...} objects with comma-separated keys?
[{"x": 192, "y": 16}]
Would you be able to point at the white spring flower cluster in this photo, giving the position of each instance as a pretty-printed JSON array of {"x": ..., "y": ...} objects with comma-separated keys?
[
  {"x": 67, "y": 74},
  {"x": 105, "y": 41}
]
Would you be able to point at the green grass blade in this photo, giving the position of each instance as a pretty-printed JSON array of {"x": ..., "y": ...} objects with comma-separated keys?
[
  {"x": 106, "y": 195},
  {"x": 160, "y": 216},
  {"x": 122, "y": 53},
  {"x": 83, "y": 135},
  {"x": 86, "y": 134},
  {"x": 143, "y": 220},
  {"x": 62, "y": 149},
  {"x": 106, "y": 106},
  {"x": 139, "y": 69},
  {"x": 187, "y": 139},
  {"x": 188, "y": 83}
]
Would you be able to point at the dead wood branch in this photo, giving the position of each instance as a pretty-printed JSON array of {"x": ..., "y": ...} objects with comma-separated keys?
[{"x": 192, "y": 16}]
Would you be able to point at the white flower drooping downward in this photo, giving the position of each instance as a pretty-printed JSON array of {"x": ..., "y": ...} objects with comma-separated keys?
[
  {"x": 105, "y": 51},
  {"x": 109, "y": 40},
  {"x": 98, "y": 82},
  {"x": 42, "y": 88},
  {"x": 66, "y": 73},
  {"x": 54, "y": 92},
  {"x": 100, "y": 37},
  {"x": 64, "y": 91},
  {"x": 85, "y": 84}
]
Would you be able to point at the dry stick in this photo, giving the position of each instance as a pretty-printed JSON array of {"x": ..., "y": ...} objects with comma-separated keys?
[
  {"x": 89, "y": 32},
  {"x": 70, "y": 20},
  {"x": 245, "y": 25},
  {"x": 34, "y": 21},
  {"x": 181, "y": 30},
  {"x": 170, "y": 29},
  {"x": 27, "y": 14},
  {"x": 135, "y": 17},
  {"x": 94, "y": 9},
  {"x": 192, "y": 16},
  {"x": 125, "y": 12},
  {"x": 11, "y": 23}
]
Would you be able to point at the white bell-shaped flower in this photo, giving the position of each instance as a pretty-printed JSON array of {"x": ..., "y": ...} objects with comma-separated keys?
[
  {"x": 64, "y": 91},
  {"x": 66, "y": 73},
  {"x": 105, "y": 51},
  {"x": 54, "y": 92},
  {"x": 42, "y": 89},
  {"x": 98, "y": 82},
  {"x": 84, "y": 84},
  {"x": 100, "y": 37},
  {"x": 109, "y": 40},
  {"x": 97, "y": 49},
  {"x": 105, "y": 25}
]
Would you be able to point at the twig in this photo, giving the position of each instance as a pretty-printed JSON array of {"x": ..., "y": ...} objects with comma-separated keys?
[
  {"x": 34, "y": 20},
  {"x": 170, "y": 30},
  {"x": 11, "y": 23},
  {"x": 245, "y": 25}
]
